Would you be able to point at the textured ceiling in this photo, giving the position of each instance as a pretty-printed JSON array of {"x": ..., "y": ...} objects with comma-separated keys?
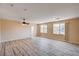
[{"x": 38, "y": 12}]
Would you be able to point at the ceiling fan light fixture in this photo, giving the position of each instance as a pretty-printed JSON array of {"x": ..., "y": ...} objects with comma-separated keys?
[{"x": 25, "y": 22}]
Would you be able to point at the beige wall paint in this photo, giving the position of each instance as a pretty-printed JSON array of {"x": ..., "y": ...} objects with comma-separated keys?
[
  {"x": 71, "y": 31},
  {"x": 0, "y": 31},
  {"x": 74, "y": 31},
  {"x": 12, "y": 30},
  {"x": 50, "y": 32}
]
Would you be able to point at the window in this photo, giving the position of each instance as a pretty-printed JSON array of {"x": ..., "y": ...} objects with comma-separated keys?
[
  {"x": 59, "y": 28},
  {"x": 43, "y": 28},
  {"x": 62, "y": 28},
  {"x": 56, "y": 28}
]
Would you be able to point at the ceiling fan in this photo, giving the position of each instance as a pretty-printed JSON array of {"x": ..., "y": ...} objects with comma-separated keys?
[{"x": 24, "y": 22}]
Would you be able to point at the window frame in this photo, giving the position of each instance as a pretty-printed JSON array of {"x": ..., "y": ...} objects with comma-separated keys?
[
  {"x": 59, "y": 27},
  {"x": 43, "y": 28}
]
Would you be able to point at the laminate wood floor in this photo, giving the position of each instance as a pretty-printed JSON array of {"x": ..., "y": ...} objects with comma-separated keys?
[{"x": 38, "y": 47}]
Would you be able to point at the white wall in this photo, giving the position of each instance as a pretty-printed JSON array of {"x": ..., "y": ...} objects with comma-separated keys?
[
  {"x": 12, "y": 30},
  {"x": 33, "y": 30}
]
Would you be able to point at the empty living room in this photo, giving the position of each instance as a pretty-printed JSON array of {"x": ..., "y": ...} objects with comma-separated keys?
[{"x": 39, "y": 29}]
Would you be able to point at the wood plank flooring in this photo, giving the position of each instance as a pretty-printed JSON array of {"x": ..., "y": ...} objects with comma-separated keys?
[{"x": 38, "y": 47}]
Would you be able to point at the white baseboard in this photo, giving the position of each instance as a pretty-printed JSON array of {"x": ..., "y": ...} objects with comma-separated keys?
[{"x": 13, "y": 39}]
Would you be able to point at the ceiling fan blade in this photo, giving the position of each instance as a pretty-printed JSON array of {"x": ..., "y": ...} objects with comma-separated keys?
[{"x": 27, "y": 23}]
